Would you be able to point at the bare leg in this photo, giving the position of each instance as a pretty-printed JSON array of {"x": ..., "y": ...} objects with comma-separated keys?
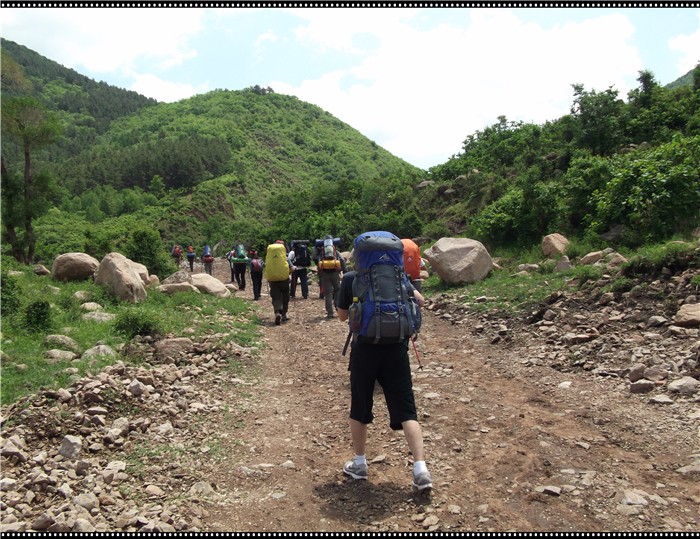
[
  {"x": 414, "y": 438},
  {"x": 358, "y": 431}
]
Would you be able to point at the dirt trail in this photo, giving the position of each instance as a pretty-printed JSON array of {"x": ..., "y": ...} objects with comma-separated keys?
[{"x": 511, "y": 446}]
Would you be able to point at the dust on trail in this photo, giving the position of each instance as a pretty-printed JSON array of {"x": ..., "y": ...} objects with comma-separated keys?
[{"x": 510, "y": 447}]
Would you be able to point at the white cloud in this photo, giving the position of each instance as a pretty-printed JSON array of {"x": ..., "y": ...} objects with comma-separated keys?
[
  {"x": 162, "y": 90},
  {"x": 335, "y": 29},
  {"x": 267, "y": 37},
  {"x": 689, "y": 47},
  {"x": 421, "y": 92},
  {"x": 105, "y": 40}
]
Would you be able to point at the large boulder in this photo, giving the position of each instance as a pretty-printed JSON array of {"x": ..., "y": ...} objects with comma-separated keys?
[
  {"x": 459, "y": 260},
  {"x": 181, "y": 276},
  {"x": 173, "y": 288},
  {"x": 591, "y": 258},
  {"x": 74, "y": 267},
  {"x": 688, "y": 315},
  {"x": 141, "y": 270},
  {"x": 118, "y": 274},
  {"x": 210, "y": 285},
  {"x": 554, "y": 244}
]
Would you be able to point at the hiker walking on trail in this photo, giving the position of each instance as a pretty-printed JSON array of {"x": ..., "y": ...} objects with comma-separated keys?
[
  {"x": 380, "y": 347},
  {"x": 330, "y": 266},
  {"x": 191, "y": 255},
  {"x": 257, "y": 265},
  {"x": 208, "y": 260},
  {"x": 277, "y": 271},
  {"x": 316, "y": 257},
  {"x": 239, "y": 262},
  {"x": 176, "y": 253},
  {"x": 300, "y": 258}
]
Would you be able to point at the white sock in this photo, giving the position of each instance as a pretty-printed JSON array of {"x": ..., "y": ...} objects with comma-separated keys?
[
  {"x": 360, "y": 460},
  {"x": 419, "y": 467}
]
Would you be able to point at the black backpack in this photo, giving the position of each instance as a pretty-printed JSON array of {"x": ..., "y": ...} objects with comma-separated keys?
[{"x": 302, "y": 258}]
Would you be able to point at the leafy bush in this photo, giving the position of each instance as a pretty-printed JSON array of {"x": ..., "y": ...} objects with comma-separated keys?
[
  {"x": 10, "y": 295},
  {"x": 37, "y": 316},
  {"x": 146, "y": 247},
  {"x": 436, "y": 230},
  {"x": 654, "y": 193},
  {"x": 137, "y": 321}
]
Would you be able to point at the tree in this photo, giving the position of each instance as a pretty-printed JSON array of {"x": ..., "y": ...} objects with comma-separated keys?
[
  {"x": 33, "y": 126},
  {"x": 599, "y": 116}
]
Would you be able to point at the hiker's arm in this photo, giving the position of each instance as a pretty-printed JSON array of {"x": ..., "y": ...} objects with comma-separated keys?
[
  {"x": 419, "y": 297},
  {"x": 344, "y": 296}
]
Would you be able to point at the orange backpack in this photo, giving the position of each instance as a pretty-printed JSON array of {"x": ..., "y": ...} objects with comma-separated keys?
[{"x": 411, "y": 259}]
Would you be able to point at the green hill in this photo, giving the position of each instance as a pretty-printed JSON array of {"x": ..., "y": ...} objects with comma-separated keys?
[
  {"x": 252, "y": 166},
  {"x": 686, "y": 80}
]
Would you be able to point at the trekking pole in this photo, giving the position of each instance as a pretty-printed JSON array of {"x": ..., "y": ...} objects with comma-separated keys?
[
  {"x": 347, "y": 342},
  {"x": 415, "y": 349}
]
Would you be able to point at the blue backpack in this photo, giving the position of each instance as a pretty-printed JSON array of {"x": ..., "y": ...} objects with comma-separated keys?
[{"x": 383, "y": 311}]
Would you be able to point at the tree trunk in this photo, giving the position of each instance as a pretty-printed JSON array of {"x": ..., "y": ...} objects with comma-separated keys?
[
  {"x": 9, "y": 232},
  {"x": 28, "y": 197}
]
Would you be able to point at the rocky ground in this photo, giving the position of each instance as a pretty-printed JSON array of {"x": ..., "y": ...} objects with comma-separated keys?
[{"x": 583, "y": 415}]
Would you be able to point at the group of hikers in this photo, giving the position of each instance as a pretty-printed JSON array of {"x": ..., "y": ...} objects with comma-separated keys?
[{"x": 379, "y": 297}]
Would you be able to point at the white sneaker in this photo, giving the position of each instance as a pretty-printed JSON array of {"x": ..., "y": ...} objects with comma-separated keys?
[
  {"x": 356, "y": 471},
  {"x": 422, "y": 482}
]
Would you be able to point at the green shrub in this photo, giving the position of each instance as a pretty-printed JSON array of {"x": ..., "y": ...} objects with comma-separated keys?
[
  {"x": 70, "y": 305},
  {"x": 137, "y": 321},
  {"x": 587, "y": 273},
  {"x": 651, "y": 259},
  {"x": 11, "y": 293},
  {"x": 146, "y": 247},
  {"x": 37, "y": 316},
  {"x": 436, "y": 230},
  {"x": 621, "y": 285}
]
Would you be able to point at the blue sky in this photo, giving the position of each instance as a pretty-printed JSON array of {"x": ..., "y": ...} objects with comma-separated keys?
[{"x": 417, "y": 81}]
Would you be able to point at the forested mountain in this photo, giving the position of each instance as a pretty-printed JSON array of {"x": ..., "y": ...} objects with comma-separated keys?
[
  {"x": 87, "y": 107},
  {"x": 247, "y": 165},
  {"x": 112, "y": 170}
]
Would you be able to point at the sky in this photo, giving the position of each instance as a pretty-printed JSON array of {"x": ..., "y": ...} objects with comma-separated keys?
[{"x": 417, "y": 81}]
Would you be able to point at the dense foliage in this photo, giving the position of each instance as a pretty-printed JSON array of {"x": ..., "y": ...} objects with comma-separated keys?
[
  {"x": 253, "y": 166},
  {"x": 610, "y": 163}
]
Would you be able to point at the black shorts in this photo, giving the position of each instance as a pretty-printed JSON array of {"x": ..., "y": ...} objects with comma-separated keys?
[{"x": 389, "y": 365}]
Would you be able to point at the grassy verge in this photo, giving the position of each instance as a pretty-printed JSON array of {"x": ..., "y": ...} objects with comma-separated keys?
[
  {"x": 36, "y": 306},
  {"x": 508, "y": 291}
]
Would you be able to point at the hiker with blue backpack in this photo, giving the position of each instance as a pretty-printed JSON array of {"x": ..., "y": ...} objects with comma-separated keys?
[{"x": 383, "y": 311}]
